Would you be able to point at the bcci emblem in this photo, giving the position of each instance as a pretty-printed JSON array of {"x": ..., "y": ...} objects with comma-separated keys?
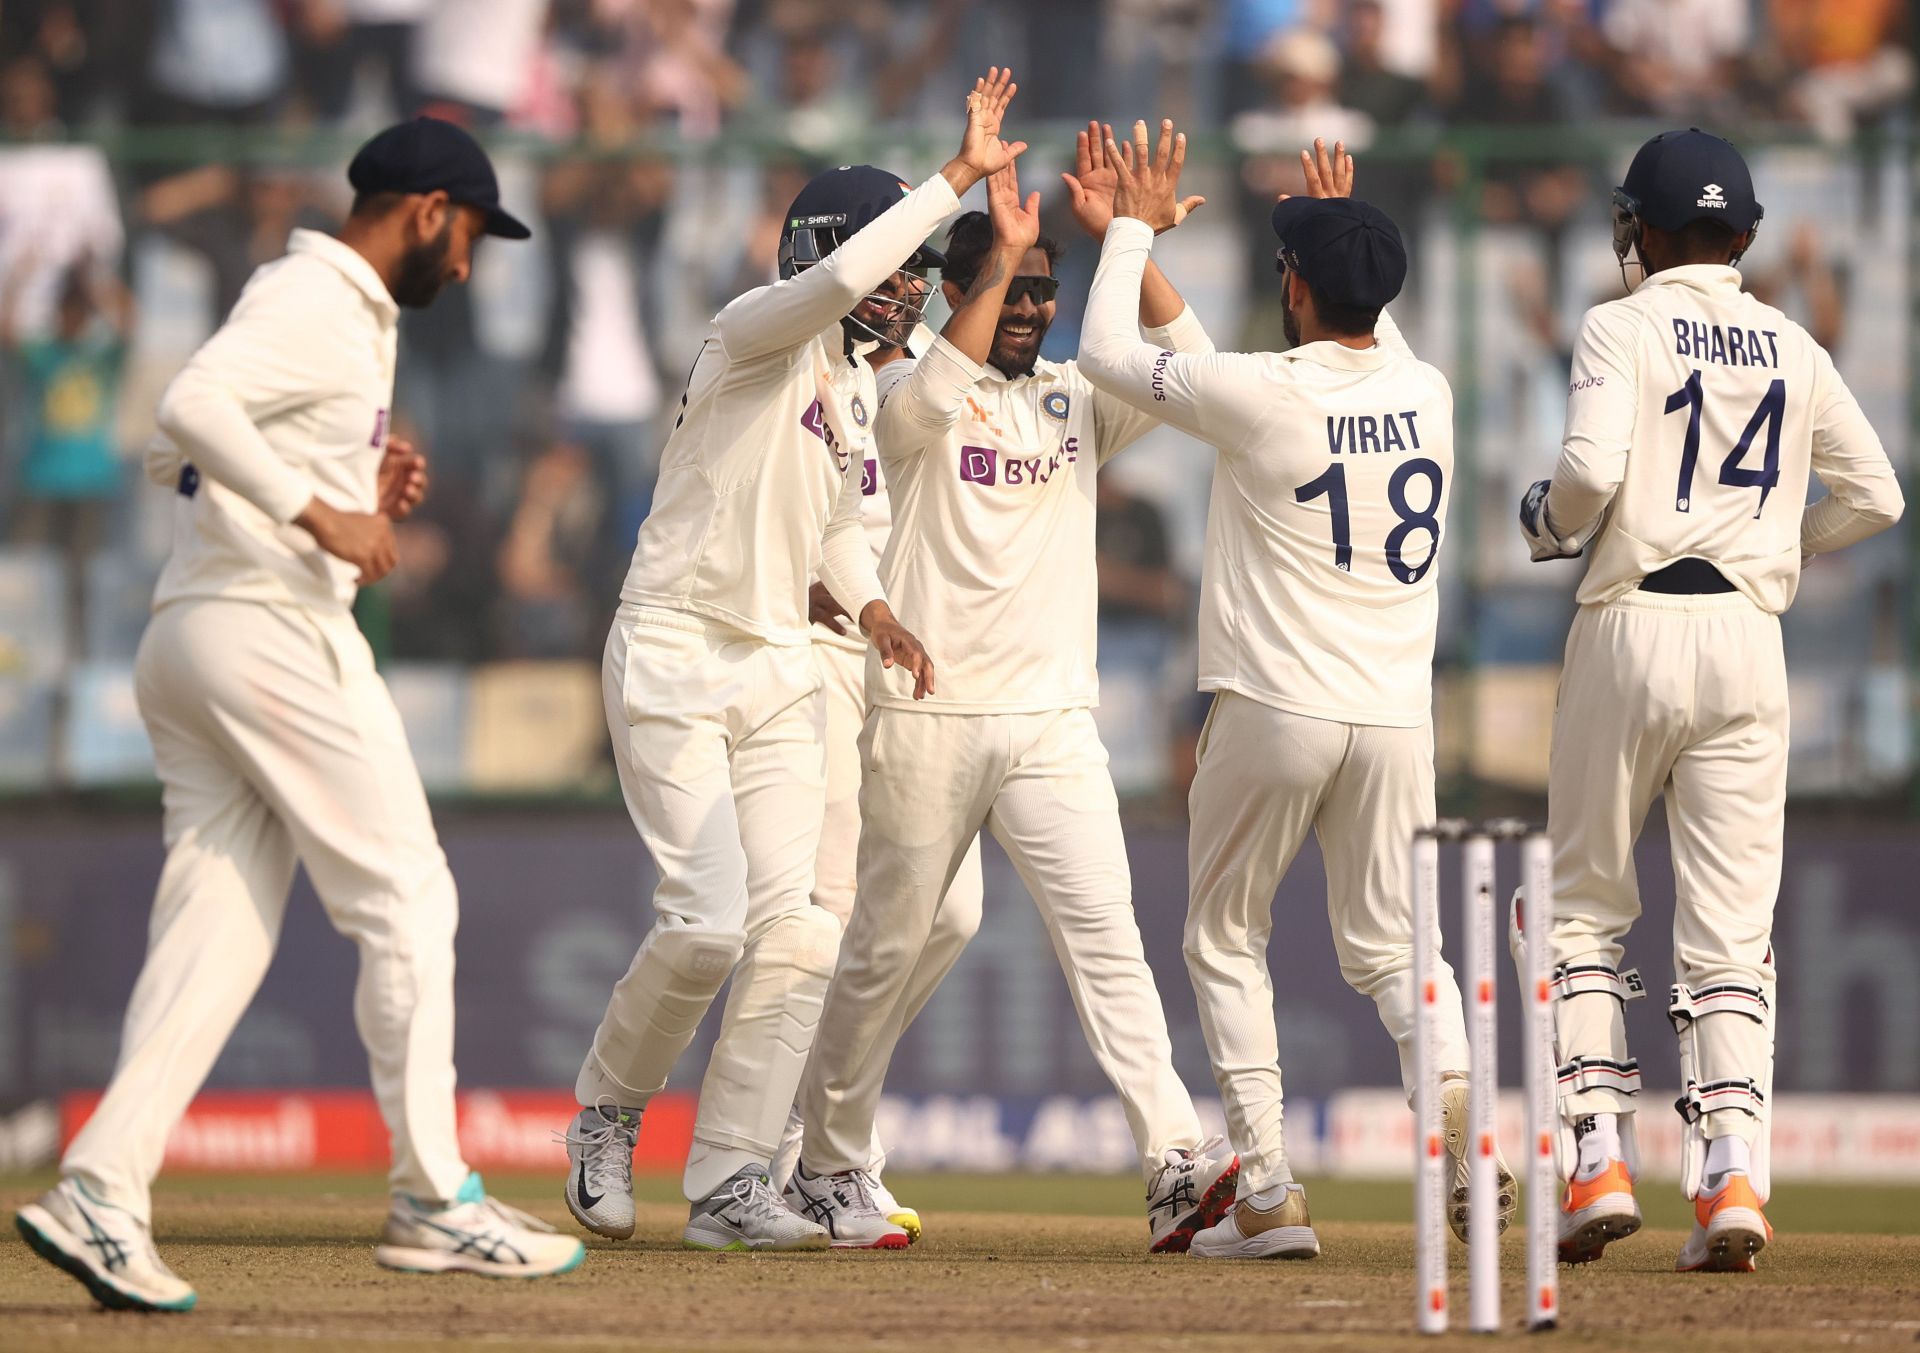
[
  {"x": 1054, "y": 405},
  {"x": 859, "y": 411}
]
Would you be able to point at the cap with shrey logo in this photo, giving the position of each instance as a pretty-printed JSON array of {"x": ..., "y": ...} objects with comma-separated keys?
[{"x": 428, "y": 155}]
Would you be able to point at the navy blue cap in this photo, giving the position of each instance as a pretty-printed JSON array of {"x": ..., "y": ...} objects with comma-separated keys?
[
  {"x": 1683, "y": 176},
  {"x": 428, "y": 155},
  {"x": 1348, "y": 251},
  {"x": 834, "y": 205}
]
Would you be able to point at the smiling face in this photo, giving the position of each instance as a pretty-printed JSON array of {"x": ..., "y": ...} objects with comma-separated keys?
[
  {"x": 1023, "y": 322},
  {"x": 892, "y": 309}
]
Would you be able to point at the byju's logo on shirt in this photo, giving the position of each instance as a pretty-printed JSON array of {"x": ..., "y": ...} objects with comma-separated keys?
[
  {"x": 379, "y": 428},
  {"x": 814, "y": 420},
  {"x": 979, "y": 465},
  {"x": 870, "y": 477}
]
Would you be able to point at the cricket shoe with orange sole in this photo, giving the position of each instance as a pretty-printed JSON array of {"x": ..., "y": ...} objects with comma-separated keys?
[
  {"x": 1729, "y": 1229},
  {"x": 1599, "y": 1209},
  {"x": 1190, "y": 1192}
]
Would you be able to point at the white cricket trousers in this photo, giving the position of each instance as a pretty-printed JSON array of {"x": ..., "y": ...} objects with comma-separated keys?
[
  {"x": 843, "y": 675},
  {"x": 1264, "y": 778},
  {"x": 1684, "y": 696},
  {"x": 276, "y": 742},
  {"x": 718, "y": 737},
  {"x": 1039, "y": 782}
]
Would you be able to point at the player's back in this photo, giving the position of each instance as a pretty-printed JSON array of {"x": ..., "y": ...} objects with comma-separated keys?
[
  {"x": 1323, "y": 534},
  {"x": 1724, "y": 397}
]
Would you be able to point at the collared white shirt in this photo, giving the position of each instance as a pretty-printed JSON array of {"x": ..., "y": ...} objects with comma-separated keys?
[
  {"x": 991, "y": 480},
  {"x": 1694, "y": 416},
  {"x": 288, "y": 401},
  {"x": 1319, "y": 591}
]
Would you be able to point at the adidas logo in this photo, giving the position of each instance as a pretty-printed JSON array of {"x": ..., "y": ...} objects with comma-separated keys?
[{"x": 1713, "y": 195}]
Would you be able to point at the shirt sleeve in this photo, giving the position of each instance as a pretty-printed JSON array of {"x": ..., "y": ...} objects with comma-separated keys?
[
  {"x": 1602, "y": 403},
  {"x": 920, "y": 408},
  {"x": 1863, "y": 493},
  {"x": 1117, "y": 425},
  {"x": 1210, "y": 395},
  {"x": 778, "y": 318},
  {"x": 260, "y": 364},
  {"x": 846, "y": 556}
]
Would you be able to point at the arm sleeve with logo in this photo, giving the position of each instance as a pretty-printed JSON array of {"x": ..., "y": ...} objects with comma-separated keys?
[
  {"x": 1602, "y": 403},
  {"x": 778, "y": 318},
  {"x": 1863, "y": 494},
  {"x": 261, "y": 363},
  {"x": 1217, "y": 397},
  {"x": 921, "y": 408},
  {"x": 1117, "y": 424},
  {"x": 846, "y": 556}
]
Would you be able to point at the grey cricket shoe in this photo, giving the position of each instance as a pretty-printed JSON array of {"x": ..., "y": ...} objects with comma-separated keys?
[
  {"x": 599, "y": 1190},
  {"x": 744, "y": 1213}
]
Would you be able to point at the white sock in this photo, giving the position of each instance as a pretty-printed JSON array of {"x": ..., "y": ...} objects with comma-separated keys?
[
  {"x": 1599, "y": 1143},
  {"x": 1725, "y": 1154},
  {"x": 1270, "y": 1197}
]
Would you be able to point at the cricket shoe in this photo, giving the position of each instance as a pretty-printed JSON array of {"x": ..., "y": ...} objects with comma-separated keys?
[
  {"x": 848, "y": 1206},
  {"x": 1729, "y": 1230},
  {"x": 599, "y": 1189},
  {"x": 473, "y": 1234},
  {"x": 1189, "y": 1192},
  {"x": 108, "y": 1249},
  {"x": 1453, "y": 1127},
  {"x": 744, "y": 1213},
  {"x": 1599, "y": 1209},
  {"x": 893, "y": 1209},
  {"x": 1282, "y": 1231}
]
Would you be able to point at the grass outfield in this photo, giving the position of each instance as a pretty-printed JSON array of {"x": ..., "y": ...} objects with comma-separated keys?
[{"x": 1008, "y": 1263}]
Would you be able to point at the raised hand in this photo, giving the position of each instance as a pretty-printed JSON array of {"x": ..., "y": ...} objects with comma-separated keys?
[
  {"x": 1327, "y": 176},
  {"x": 982, "y": 152},
  {"x": 1091, "y": 185},
  {"x": 1149, "y": 184},
  {"x": 1016, "y": 226}
]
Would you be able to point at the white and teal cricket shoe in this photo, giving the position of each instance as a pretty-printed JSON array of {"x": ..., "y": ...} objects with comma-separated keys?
[
  {"x": 846, "y": 1204},
  {"x": 599, "y": 1189},
  {"x": 107, "y": 1248},
  {"x": 744, "y": 1213},
  {"x": 473, "y": 1234}
]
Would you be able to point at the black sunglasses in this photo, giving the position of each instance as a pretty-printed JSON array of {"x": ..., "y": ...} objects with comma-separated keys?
[{"x": 1042, "y": 289}]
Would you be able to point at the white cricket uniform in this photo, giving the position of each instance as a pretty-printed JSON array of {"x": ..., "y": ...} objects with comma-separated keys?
[
  {"x": 1694, "y": 415},
  {"x": 842, "y": 661},
  {"x": 274, "y": 738},
  {"x": 1318, "y": 608},
  {"x": 713, "y": 697},
  {"x": 992, "y": 486}
]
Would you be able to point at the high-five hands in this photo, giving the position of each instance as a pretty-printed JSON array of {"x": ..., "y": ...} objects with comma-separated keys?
[
  {"x": 1016, "y": 225},
  {"x": 982, "y": 152},
  {"x": 1149, "y": 184},
  {"x": 1326, "y": 176}
]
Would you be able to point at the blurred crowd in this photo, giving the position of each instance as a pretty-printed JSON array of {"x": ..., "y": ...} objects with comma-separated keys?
[{"x": 153, "y": 154}]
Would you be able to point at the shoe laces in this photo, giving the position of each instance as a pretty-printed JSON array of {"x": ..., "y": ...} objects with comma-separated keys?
[
  {"x": 513, "y": 1216},
  {"x": 755, "y": 1194},
  {"x": 1179, "y": 1159},
  {"x": 860, "y": 1183},
  {"x": 608, "y": 1154}
]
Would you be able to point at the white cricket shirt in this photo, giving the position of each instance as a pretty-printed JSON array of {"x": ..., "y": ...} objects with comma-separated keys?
[
  {"x": 992, "y": 485},
  {"x": 287, "y": 401},
  {"x": 876, "y": 508},
  {"x": 1318, "y": 593},
  {"x": 770, "y": 447},
  {"x": 1694, "y": 416}
]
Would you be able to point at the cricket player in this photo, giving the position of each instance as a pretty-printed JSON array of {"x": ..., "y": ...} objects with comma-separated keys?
[
  {"x": 841, "y": 658},
  {"x": 990, "y": 455},
  {"x": 1318, "y": 609},
  {"x": 714, "y": 701},
  {"x": 276, "y": 741},
  {"x": 1694, "y": 415}
]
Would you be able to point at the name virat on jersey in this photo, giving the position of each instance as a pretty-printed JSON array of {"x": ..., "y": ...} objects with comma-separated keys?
[{"x": 1372, "y": 434}]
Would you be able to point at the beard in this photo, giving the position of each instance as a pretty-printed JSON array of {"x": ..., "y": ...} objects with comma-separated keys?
[
  {"x": 1289, "y": 323},
  {"x": 1015, "y": 357},
  {"x": 423, "y": 270}
]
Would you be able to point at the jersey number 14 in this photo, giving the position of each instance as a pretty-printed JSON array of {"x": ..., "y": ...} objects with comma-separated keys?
[{"x": 1732, "y": 471}]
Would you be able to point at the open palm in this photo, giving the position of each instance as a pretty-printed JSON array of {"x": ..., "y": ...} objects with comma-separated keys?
[{"x": 981, "y": 147}]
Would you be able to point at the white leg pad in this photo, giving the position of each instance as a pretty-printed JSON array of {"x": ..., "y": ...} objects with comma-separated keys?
[{"x": 1725, "y": 1032}]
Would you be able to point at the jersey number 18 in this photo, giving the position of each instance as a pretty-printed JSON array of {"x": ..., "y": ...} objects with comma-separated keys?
[{"x": 1333, "y": 485}]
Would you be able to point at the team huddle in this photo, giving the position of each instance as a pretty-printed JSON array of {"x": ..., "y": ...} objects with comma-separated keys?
[{"x": 859, "y": 629}]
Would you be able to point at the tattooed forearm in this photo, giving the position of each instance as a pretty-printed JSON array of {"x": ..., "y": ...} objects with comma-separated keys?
[{"x": 992, "y": 276}]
